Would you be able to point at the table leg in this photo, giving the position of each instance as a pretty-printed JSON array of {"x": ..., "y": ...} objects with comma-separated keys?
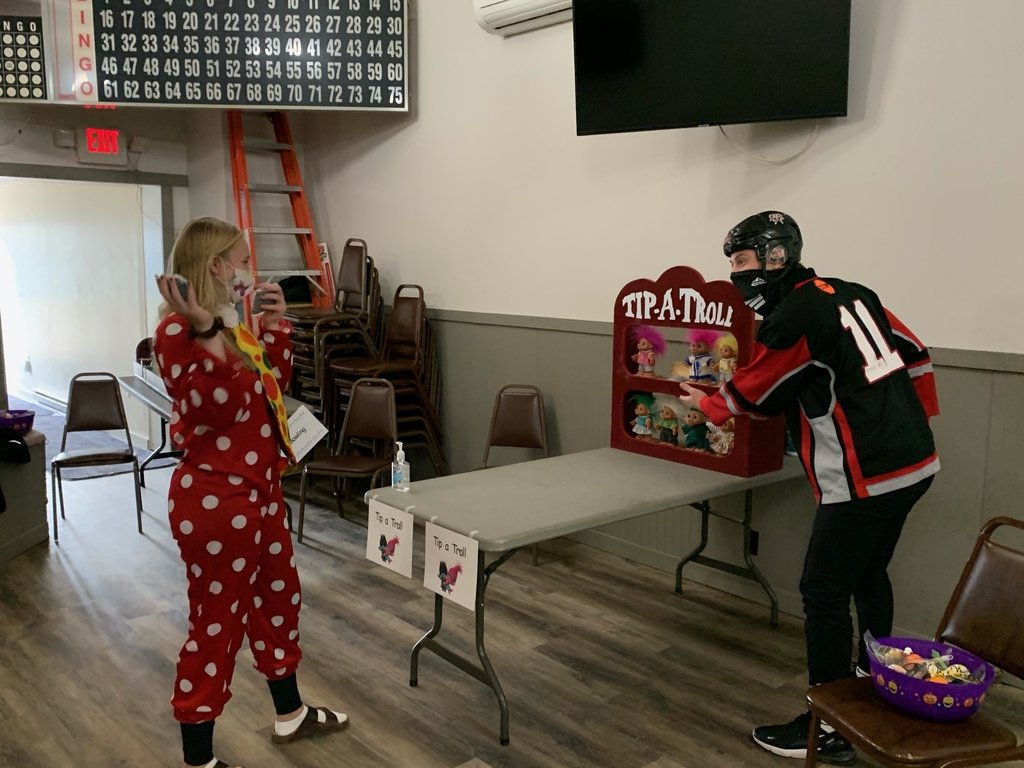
[
  {"x": 751, "y": 571},
  {"x": 705, "y": 510},
  {"x": 748, "y": 515},
  {"x": 157, "y": 454},
  {"x": 485, "y": 672}
]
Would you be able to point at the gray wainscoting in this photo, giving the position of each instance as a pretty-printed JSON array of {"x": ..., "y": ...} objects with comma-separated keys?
[{"x": 978, "y": 434}]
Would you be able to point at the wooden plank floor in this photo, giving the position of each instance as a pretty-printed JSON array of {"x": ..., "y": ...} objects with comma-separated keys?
[{"x": 602, "y": 663}]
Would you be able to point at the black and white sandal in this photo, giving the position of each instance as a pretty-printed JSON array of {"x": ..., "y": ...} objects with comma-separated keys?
[{"x": 318, "y": 721}]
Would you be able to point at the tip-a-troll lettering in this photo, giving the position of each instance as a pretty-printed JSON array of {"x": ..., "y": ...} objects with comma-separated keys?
[{"x": 694, "y": 308}]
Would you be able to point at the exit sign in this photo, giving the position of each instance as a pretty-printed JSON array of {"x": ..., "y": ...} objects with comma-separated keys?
[{"x": 101, "y": 146}]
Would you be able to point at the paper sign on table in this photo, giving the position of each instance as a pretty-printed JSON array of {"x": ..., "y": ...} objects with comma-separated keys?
[
  {"x": 305, "y": 432},
  {"x": 389, "y": 538},
  {"x": 451, "y": 565}
]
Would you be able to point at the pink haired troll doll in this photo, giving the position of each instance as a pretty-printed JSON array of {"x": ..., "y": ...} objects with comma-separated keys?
[{"x": 649, "y": 343}]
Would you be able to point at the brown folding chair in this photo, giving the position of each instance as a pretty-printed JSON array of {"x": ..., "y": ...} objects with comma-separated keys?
[
  {"x": 94, "y": 405},
  {"x": 370, "y": 418},
  {"x": 144, "y": 351},
  {"x": 985, "y": 616},
  {"x": 518, "y": 422}
]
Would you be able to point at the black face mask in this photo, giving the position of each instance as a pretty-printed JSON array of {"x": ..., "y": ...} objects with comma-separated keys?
[
  {"x": 759, "y": 293},
  {"x": 752, "y": 286}
]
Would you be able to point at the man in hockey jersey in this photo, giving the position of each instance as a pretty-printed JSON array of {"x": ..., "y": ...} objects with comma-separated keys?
[{"x": 857, "y": 390}]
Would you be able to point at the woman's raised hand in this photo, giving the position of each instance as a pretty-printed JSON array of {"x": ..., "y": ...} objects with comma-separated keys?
[{"x": 199, "y": 318}]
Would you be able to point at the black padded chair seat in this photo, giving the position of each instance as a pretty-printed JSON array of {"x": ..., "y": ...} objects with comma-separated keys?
[
  {"x": 357, "y": 465},
  {"x": 88, "y": 458},
  {"x": 362, "y": 366}
]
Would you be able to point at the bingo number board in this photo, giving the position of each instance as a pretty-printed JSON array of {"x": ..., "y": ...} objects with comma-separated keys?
[
  {"x": 280, "y": 54},
  {"x": 22, "y": 63}
]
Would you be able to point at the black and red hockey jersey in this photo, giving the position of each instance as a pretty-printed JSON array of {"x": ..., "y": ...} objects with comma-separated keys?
[{"x": 855, "y": 384}]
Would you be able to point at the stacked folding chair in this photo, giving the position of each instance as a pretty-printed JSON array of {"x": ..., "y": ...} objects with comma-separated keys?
[
  {"x": 408, "y": 359},
  {"x": 350, "y": 328}
]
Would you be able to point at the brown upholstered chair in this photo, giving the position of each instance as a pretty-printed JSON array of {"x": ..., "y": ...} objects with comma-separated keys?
[
  {"x": 408, "y": 360},
  {"x": 985, "y": 616},
  {"x": 370, "y": 419},
  {"x": 518, "y": 422},
  {"x": 144, "y": 351},
  {"x": 94, "y": 405},
  {"x": 350, "y": 298}
]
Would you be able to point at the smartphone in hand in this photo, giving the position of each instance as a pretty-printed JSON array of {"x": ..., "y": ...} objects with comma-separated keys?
[
  {"x": 182, "y": 285},
  {"x": 257, "y": 302}
]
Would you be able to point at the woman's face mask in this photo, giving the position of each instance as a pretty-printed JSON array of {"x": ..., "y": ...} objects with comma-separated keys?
[{"x": 241, "y": 284}]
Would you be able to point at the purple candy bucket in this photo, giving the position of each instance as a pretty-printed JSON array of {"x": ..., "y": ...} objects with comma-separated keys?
[
  {"x": 19, "y": 421},
  {"x": 933, "y": 701}
]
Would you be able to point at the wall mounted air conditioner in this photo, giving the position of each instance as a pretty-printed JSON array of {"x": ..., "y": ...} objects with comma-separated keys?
[{"x": 510, "y": 17}]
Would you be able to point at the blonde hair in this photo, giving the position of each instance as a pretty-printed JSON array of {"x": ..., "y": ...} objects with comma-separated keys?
[{"x": 198, "y": 244}]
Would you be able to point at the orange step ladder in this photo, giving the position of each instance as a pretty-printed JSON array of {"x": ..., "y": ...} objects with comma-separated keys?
[{"x": 317, "y": 272}]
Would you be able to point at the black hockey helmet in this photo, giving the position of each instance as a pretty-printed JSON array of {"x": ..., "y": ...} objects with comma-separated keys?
[{"x": 764, "y": 233}]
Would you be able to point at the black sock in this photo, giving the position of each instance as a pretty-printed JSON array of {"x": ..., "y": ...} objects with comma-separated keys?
[
  {"x": 285, "y": 694},
  {"x": 197, "y": 742}
]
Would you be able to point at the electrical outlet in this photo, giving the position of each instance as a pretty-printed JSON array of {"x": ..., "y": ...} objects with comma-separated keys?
[
  {"x": 755, "y": 539},
  {"x": 64, "y": 138}
]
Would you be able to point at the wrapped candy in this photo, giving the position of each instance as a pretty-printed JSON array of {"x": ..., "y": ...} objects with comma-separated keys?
[{"x": 936, "y": 669}]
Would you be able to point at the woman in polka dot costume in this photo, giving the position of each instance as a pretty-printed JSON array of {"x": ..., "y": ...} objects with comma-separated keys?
[{"x": 225, "y": 505}]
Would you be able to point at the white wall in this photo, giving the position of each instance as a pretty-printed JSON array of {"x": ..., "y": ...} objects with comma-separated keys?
[
  {"x": 72, "y": 276},
  {"x": 487, "y": 197}
]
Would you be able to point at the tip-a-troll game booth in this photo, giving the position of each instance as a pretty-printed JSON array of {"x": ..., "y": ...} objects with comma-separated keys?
[{"x": 717, "y": 330}]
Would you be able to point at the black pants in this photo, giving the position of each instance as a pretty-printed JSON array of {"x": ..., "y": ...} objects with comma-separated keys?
[{"x": 851, "y": 545}]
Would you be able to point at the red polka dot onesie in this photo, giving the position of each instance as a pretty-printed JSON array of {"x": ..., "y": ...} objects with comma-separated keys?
[{"x": 227, "y": 515}]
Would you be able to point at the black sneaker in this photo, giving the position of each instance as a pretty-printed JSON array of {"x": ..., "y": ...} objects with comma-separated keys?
[{"x": 790, "y": 740}]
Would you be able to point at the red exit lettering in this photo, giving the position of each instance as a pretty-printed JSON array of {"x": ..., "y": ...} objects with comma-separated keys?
[{"x": 101, "y": 141}]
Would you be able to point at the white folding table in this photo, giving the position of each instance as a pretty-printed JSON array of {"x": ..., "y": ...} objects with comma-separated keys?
[
  {"x": 507, "y": 508},
  {"x": 160, "y": 404}
]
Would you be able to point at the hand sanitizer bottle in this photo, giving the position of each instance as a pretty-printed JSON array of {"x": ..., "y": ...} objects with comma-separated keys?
[{"x": 400, "y": 471}]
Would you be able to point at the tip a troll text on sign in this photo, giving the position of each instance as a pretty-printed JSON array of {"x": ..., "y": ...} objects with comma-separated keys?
[
  {"x": 692, "y": 307},
  {"x": 450, "y": 547}
]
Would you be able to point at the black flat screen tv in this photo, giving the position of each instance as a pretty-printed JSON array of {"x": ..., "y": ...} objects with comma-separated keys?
[{"x": 645, "y": 65}]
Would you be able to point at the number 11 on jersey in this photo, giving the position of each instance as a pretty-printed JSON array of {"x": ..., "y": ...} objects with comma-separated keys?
[{"x": 875, "y": 367}]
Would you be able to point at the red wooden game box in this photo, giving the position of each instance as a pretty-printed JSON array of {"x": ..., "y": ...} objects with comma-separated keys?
[{"x": 676, "y": 305}]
